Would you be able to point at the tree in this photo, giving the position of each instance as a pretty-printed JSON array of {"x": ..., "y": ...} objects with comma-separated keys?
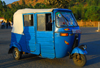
[
  {"x": 82, "y": 9},
  {"x": 40, "y": 5},
  {"x": 93, "y": 13},
  {"x": 8, "y": 15},
  {"x": 58, "y": 3},
  {"x": 23, "y": 4},
  {"x": 71, "y": 3},
  {"x": 30, "y": 6},
  {"x": 2, "y": 8}
]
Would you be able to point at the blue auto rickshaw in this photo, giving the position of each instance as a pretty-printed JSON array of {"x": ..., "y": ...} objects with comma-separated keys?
[{"x": 49, "y": 33}]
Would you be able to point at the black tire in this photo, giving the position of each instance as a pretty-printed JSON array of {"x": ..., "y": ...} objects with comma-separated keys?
[
  {"x": 81, "y": 61},
  {"x": 16, "y": 54}
]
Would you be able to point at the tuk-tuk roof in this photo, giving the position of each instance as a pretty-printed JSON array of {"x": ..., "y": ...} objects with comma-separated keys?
[
  {"x": 28, "y": 10},
  {"x": 18, "y": 20}
]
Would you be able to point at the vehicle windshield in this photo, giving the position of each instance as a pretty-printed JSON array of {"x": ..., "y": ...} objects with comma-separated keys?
[{"x": 64, "y": 19}]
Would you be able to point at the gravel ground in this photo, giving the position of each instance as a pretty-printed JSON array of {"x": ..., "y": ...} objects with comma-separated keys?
[{"x": 89, "y": 37}]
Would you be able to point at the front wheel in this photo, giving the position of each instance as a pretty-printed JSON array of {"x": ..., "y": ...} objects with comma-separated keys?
[
  {"x": 79, "y": 59},
  {"x": 16, "y": 54}
]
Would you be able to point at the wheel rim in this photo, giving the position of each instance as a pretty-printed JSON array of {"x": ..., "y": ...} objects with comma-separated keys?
[
  {"x": 15, "y": 54},
  {"x": 79, "y": 60}
]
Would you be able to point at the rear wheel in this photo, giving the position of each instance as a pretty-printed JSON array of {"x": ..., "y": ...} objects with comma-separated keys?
[
  {"x": 16, "y": 54},
  {"x": 79, "y": 59}
]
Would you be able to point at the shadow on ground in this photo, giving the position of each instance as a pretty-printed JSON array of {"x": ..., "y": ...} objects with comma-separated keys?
[
  {"x": 93, "y": 49},
  {"x": 23, "y": 60}
]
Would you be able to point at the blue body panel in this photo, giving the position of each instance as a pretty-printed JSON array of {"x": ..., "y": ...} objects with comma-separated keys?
[
  {"x": 46, "y": 40},
  {"x": 79, "y": 51},
  {"x": 61, "y": 47},
  {"x": 55, "y": 10},
  {"x": 19, "y": 41},
  {"x": 30, "y": 38}
]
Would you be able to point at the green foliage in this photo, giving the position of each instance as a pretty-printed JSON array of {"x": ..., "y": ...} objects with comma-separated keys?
[
  {"x": 86, "y": 9},
  {"x": 40, "y": 5},
  {"x": 82, "y": 9},
  {"x": 58, "y": 3},
  {"x": 2, "y": 8},
  {"x": 93, "y": 13},
  {"x": 8, "y": 15}
]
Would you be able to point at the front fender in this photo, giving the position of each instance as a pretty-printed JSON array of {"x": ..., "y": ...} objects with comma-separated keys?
[
  {"x": 79, "y": 51},
  {"x": 13, "y": 45}
]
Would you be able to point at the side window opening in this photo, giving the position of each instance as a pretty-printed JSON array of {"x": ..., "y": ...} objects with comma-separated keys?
[
  {"x": 44, "y": 22},
  {"x": 28, "y": 20},
  {"x": 48, "y": 22}
]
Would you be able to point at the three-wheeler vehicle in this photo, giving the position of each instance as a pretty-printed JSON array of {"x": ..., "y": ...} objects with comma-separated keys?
[{"x": 49, "y": 33}]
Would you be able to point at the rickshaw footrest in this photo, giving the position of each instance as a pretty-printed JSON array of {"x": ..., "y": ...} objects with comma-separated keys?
[{"x": 70, "y": 56}]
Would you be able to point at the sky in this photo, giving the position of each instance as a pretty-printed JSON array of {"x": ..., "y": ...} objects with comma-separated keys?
[{"x": 9, "y": 1}]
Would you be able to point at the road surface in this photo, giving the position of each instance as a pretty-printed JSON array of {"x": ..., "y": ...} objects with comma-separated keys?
[{"x": 89, "y": 37}]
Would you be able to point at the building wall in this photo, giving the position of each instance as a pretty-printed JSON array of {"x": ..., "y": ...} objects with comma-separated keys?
[
  {"x": 2, "y": 19},
  {"x": 88, "y": 23}
]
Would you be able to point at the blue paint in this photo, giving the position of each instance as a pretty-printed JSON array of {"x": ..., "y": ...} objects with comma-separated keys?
[
  {"x": 30, "y": 38},
  {"x": 47, "y": 44},
  {"x": 37, "y": 50},
  {"x": 43, "y": 13},
  {"x": 61, "y": 48},
  {"x": 59, "y": 9},
  {"x": 46, "y": 40},
  {"x": 47, "y": 55},
  {"x": 19, "y": 41},
  {"x": 15, "y": 45},
  {"x": 79, "y": 51}
]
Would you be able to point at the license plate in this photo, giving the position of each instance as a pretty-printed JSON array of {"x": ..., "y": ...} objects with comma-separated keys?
[{"x": 76, "y": 31}]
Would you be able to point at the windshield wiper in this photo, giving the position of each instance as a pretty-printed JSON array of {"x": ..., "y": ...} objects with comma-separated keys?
[{"x": 64, "y": 18}]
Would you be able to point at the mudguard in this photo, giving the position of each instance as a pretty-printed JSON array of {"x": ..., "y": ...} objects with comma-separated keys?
[
  {"x": 79, "y": 51},
  {"x": 12, "y": 45}
]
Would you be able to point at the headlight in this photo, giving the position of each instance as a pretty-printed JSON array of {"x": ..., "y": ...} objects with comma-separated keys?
[{"x": 83, "y": 47}]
